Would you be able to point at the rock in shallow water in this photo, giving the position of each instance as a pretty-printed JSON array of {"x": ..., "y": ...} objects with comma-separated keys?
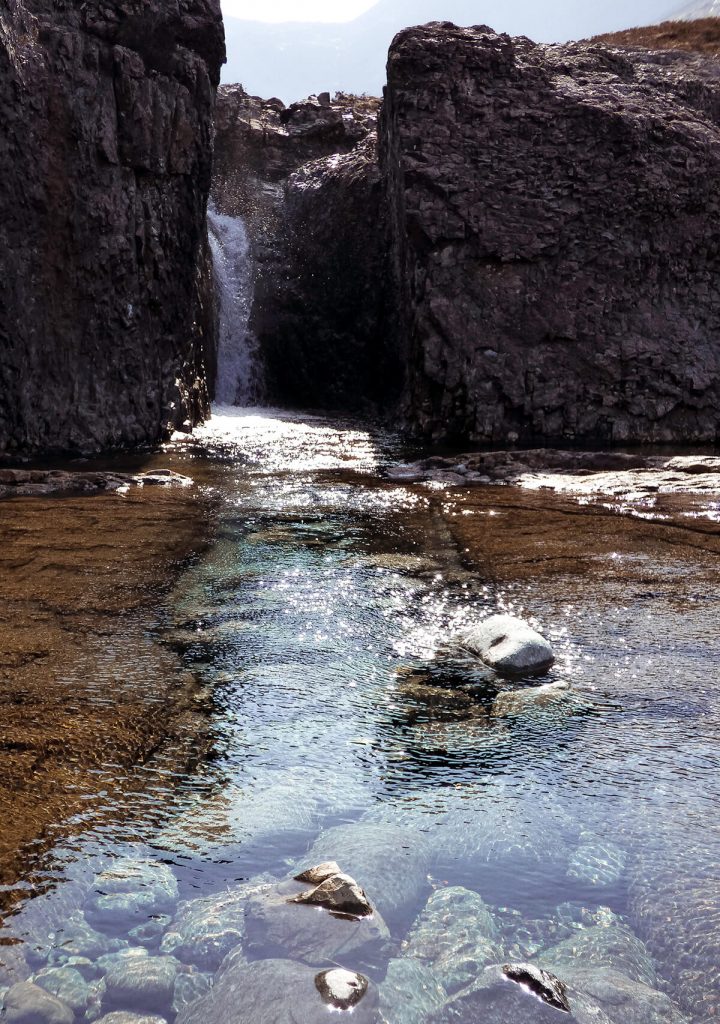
[
  {"x": 276, "y": 927},
  {"x": 271, "y": 992},
  {"x": 509, "y": 645},
  {"x": 130, "y": 892},
  {"x": 67, "y": 984},
  {"x": 141, "y": 983},
  {"x": 455, "y": 935},
  {"x": 26, "y": 1003},
  {"x": 341, "y": 989},
  {"x": 541, "y": 983},
  {"x": 411, "y": 992},
  {"x": 339, "y": 893},
  {"x": 391, "y": 862}
]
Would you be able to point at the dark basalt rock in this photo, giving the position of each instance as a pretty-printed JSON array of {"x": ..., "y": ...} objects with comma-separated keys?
[
  {"x": 541, "y": 983},
  {"x": 106, "y": 314},
  {"x": 553, "y": 217}
]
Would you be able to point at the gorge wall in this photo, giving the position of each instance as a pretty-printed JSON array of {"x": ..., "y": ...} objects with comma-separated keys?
[
  {"x": 305, "y": 180},
  {"x": 554, "y": 217},
  {"x": 106, "y": 318},
  {"x": 530, "y": 251}
]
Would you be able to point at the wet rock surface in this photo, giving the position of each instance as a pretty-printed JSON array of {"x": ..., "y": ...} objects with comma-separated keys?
[
  {"x": 509, "y": 645},
  {"x": 541, "y": 983},
  {"x": 106, "y": 320},
  {"x": 456, "y": 936},
  {"x": 271, "y": 992},
  {"x": 339, "y": 893},
  {"x": 567, "y": 313},
  {"x": 340, "y": 989},
  {"x": 28, "y": 483}
]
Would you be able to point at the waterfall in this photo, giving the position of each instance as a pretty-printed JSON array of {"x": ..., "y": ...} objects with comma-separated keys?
[{"x": 239, "y": 377}]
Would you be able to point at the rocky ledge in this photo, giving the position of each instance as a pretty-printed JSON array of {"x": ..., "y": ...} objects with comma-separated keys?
[
  {"x": 31, "y": 483},
  {"x": 106, "y": 308},
  {"x": 590, "y": 473}
]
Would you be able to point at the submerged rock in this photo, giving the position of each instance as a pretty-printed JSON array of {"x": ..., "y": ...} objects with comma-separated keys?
[
  {"x": 608, "y": 946},
  {"x": 391, "y": 861},
  {"x": 26, "y": 1003},
  {"x": 207, "y": 929},
  {"x": 275, "y": 926},
  {"x": 123, "y": 1017},
  {"x": 273, "y": 992},
  {"x": 341, "y": 989},
  {"x": 493, "y": 998},
  {"x": 189, "y": 987},
  {"x": 67, "y": 984},
  {"x": 339, "y": 893},
  {"x": 509, "y": 703},
  {"x": 129, "y": 893},
  {"x": 143, "y": 983},
  {"x": 77, "y": 938},
  {"x": 455, "y": 935},
  {"x": 411, "y": 992},
  {"x": 509, "y": 645}
]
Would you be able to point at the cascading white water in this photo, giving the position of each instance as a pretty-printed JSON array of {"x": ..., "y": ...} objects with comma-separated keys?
[{"x": 239, "y": 377}]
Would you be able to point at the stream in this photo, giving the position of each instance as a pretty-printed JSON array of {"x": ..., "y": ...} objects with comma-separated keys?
[{"x": 580, "y": 833}]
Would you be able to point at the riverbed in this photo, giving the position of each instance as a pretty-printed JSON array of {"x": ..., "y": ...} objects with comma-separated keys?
[{"x": 307, "y": 589}]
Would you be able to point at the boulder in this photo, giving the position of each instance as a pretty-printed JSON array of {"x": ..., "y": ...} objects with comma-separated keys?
[
  {"x": 456, "y": 936},
  {"x": 339, "y": 893},
  {"x": 542, "y": 984},
  {"x": 390, "y": 862},
  {"x": 340, "y": 989},
  {"x": 411, "y": 992},
  {"x": 129, "y": 893},
  {"x": 141, "y": 983},
  {"x": 273, "y": 992},
  {"x": 276, "y": 926},
  {"x": 510, "y": 646},
  {"x": 67, "y": 984},
  {"x": 26, "y": 1003}
]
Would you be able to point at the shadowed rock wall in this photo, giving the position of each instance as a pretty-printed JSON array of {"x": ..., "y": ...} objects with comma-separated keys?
[
  {"x": 554, "y": 214},
  {"x": 105, "y": 161},
  {"x": 306, "y": 180}
]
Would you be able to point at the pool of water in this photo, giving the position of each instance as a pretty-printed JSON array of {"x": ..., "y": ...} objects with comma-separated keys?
[{"x": 580, "y": 834}]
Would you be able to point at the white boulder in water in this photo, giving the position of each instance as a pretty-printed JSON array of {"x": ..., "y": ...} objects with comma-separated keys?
[{"x": 509, "y": 645}]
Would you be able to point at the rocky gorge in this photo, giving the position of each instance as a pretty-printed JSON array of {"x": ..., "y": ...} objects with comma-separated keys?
[{"x": 298, "y": 715}]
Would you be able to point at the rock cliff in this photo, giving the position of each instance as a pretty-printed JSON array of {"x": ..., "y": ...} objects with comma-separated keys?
[
  {"x": 554, "y": 217},
  {"x": 106, "y": 321}
]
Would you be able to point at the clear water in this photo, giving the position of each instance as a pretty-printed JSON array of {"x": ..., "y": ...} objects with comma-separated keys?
[{"x": 324, "y": 584}]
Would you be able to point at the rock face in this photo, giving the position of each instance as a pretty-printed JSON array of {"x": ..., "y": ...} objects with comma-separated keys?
[
  {"x": 306, "y": 181},
  {"x": 106, "y": 318},
  {"x": 553, "y": 217}
]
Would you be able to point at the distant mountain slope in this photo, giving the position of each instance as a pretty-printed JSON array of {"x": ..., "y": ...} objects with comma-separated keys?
[
  {"x": 292, "y": 60},
  {"x": 700, "y": 35},
  {"x": 697, "y": 9}
]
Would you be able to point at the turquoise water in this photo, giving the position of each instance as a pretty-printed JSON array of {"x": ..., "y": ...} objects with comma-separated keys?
[{"x": 587, "y": 819}]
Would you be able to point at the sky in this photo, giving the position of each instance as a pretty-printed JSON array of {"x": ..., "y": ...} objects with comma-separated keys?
[{"x": 296, "y": 10}]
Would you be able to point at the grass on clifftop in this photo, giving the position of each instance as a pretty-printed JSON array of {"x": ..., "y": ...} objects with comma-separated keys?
[{"x": 701, "y": 36}]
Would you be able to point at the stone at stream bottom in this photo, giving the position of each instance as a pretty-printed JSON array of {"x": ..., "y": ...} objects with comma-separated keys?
[
  {"x": 608, "y": 946},
  {"x": 26, "y": 1003},
  {"x": 141, "y": 983},
  {"x": 189, "y": 987},
  {"x": 67, "y": 984},
  {"x": 205, "y": 930},
  {"x": 130, "y": 892},
  {"x": 601, "y": 994},
  {"x": 391, "y": 863},
  {"x": 455, "y": 935},
  {"x": 77, "y": 938},
  {"x": 529, "y": 699},
  {"x": 509, "y": 645},
  {"x": 278, "y": 928},
  {"x": 339, "y": 893},
  {"x": 411, "y": 992},
  {"x": 270, "y": 992}
]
